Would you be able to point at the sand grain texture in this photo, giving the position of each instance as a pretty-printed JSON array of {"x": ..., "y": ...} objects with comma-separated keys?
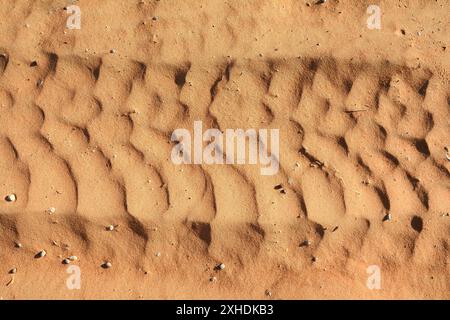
[{"x": 85, "y": 123}]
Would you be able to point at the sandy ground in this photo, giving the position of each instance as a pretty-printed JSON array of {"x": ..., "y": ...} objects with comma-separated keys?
[{"x": 86, "y": 119}]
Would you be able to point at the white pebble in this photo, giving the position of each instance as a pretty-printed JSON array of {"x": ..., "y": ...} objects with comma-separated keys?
[
  {"x": 107, "y": 265},
  {"x": 11, "y": 197},
  {"x": 66, "y": 261},
  {"x": 305, "y": 243},
  {"x": 73, "y": 258},
  {"x": 221, "y": 266},
  {"x": 51, "y": 210},
  {"x": 41, "y": 254},
  {"x": 13, "y": 271}
]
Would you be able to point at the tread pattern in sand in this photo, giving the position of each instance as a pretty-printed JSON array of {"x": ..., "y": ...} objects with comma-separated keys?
[{"x": 356, "y": 141}]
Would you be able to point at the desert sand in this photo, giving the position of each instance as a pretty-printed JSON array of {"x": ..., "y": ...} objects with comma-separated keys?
[{"x": 85, "y": 141}]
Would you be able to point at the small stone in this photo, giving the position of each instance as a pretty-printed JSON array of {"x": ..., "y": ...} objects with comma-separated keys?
[
  {"x": 106, "y": 265},
  {"x": 221, "y": 266},
  {"x": 66, "y": 261},
  {"x": 110, "y": 228},
  {"x": 305, "y": 243},
  {"x": 112, "y": 51},
  {"x": 11, "y": 198},
  {"x": 41, "y": 254},
  {"x": 13, "y": 271},
  {"x": 268, "y": 293},
  {"x": 213, "y": 279},
  {"x": 51, "y": 210},
  {"x": 387, "y": 217},
  {"x": 17, "y": 244},
  {"x": 10, "y": 282},
  {"x": 33, "y": 64},
  {"x": 73, "y": 258},
  {"x": 158, "y": 254}
]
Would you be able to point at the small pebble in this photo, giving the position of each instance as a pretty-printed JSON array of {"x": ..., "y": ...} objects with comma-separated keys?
[
  {"x": 18, "y": 244},
  {"x": 10, "y": 282},
  {"x": 305, "y": 243},
  {"x": 41, "y": 254},
  {"x": 110, "y": 228},
  {"x": 11, "y": 198},
  {"x": 106, "y": 265},
  {"x": 213, "y": 279},
  {"x": 158, "y": 254},
  {"x": 268, "y": 293},
  {"x": 280, "y": 188},
  {"x": 66, "y": 261},
  {"x": 13, "y": 271},
  {"x": 112, "y": 51},
  {"x": 221, "y": 266},
  {"x": 73, "y": 258},
  {"x": 51, "y": 210},
  {"x": 387, "y": 217}
]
